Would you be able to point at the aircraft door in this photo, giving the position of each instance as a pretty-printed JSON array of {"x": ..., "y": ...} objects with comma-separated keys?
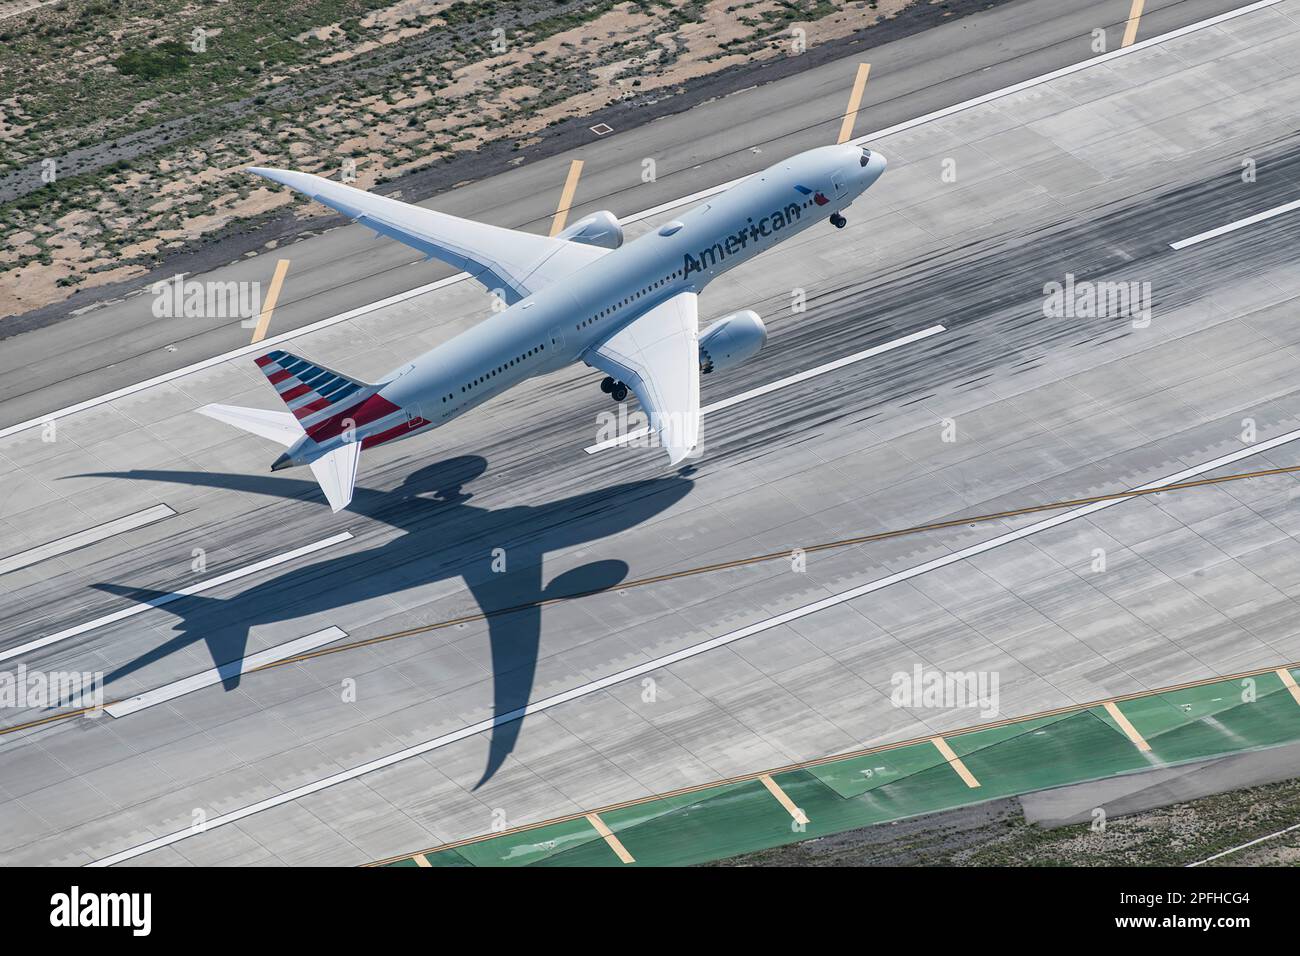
[{"x": 841, "y": 188}]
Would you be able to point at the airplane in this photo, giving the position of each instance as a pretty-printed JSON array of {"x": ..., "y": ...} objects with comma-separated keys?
[{"x": 630, "y": 310}]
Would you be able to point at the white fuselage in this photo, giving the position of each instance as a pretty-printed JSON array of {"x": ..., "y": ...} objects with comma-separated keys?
[{"x": 555, "y": 326}]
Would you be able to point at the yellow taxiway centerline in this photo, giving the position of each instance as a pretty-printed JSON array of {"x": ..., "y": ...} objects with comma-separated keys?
[
  {"x": 783, "y": 798},
  {"x": 855, "y": 101},
  {"x": 566, "y": 197},
  {"x": 268, "y": 304},
  {"x": 1290, "y": 683},
  {"x": 614, "y": 842},
  {"x": 1125, "y": 725},
  {"x": 955, "y": 762},
  {"x": 1131, "y": 27}
]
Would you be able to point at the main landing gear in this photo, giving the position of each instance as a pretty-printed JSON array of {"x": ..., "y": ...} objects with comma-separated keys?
[
  {"x": 615, "y": 390},
  {"x": 838, "y": 221}
]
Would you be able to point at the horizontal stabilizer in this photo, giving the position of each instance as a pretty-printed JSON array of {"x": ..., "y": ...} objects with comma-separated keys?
[
  {"x": 336, "y": 473},
  {"x": 280, "y": 427}
]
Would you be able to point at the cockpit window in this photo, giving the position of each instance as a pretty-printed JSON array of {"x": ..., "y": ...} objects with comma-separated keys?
[{"x": 866, "y": 157}]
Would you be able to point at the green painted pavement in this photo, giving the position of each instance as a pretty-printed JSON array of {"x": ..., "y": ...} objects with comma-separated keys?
[
  {"x": 529, "y": 846},
  {"x": 851, "y": 776},
  {"x": 910, "y": 779}
]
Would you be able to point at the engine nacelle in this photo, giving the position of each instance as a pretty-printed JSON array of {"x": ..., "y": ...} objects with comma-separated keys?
[
  {"x": 598, "y": 229},
  {"x": 732, "y": 340}
]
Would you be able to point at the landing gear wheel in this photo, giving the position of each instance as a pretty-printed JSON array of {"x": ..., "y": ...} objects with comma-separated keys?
[
  {"x": 838, "y": 221},
  {"x": 618, "y": 392},
  {"x": 607, "y": 384}
]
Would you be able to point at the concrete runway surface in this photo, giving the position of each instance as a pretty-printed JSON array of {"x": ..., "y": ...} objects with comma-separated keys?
[{"x": 386, "y": 746}]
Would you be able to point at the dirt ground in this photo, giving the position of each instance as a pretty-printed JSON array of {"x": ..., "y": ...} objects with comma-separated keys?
[
  {"x": 996, "y": 834},
  {"x": 134, "y": 185},
  {"x": 147, "y": 141}
]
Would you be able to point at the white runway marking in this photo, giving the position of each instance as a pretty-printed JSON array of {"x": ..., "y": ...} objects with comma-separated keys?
[
  {"x": 141, "y": 607},
  {"x": 592, "y": 687},
  {"x": 778, "y": 384},
  {"x": 1234, "y": 226},
  {"x": 214, "y": 675},
  {"x": 636, "y": 217},
  {"x": 82, "y": 539}
]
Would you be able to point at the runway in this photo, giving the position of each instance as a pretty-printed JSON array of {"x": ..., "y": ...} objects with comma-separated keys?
[{"x": 394, "y": 745}]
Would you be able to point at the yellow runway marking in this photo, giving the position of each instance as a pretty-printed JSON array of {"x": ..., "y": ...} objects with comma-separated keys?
[
  {"x": 1131, "y": 28},
  {"x": 1132, "y": 732},
  {"x": 268, "y": 304},
  {"x": 614, "y": 843},
  {"x": 955, "y": 762},
  {"x": 421, "y": 860},
  {"x": 1290, "y": 683},
  {"x": 855, "y": 101},
  {"x": 566, "y": 197},
  {"x": 782, "y": 798}
]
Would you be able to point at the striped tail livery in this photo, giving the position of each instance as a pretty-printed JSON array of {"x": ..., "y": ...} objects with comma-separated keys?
[{"x": 331, "y": 418}]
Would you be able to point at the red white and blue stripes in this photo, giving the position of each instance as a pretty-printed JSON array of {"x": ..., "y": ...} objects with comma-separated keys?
[{"x": 326, "y": 403}]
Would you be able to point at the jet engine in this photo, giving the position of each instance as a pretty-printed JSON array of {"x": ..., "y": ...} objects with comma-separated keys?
[
  {"x": 598, "y": 229},
  {"x": 730, "y": 341}
]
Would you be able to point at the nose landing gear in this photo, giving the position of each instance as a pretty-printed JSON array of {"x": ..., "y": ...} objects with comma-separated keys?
[
  {"x": 615, "y": 390},
  {"x": 838, "y": 221}
]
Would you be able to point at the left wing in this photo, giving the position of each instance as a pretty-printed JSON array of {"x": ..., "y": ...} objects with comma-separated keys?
[
  {"x": 658, "y": 357},
  {"x": 517, "y": 263}
]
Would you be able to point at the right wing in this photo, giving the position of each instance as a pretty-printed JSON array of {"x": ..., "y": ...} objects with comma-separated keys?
[
  {"x": 517, "y": 263},
  {"x": 658, "y": 356}
]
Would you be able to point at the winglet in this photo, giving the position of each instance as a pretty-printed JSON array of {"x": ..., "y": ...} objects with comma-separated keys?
[{"x": 285, "y": 177}]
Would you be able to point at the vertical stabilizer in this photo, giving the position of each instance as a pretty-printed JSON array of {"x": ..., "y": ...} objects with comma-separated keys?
[
  {"x": 310, "y": 391},
  {"x": 336, "y": 472}
]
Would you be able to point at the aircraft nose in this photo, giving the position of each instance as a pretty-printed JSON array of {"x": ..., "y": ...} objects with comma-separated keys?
[{"x": 872, "y": 163}]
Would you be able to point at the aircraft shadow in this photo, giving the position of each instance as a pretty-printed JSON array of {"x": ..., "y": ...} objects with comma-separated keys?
[{"x": 444, "y": 536}]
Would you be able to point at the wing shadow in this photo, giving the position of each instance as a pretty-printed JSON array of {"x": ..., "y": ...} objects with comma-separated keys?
[{"x": 443, "y": 535}]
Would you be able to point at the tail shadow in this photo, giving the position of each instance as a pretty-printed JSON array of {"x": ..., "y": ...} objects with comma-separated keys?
[{"x": 446, "y": 535}]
